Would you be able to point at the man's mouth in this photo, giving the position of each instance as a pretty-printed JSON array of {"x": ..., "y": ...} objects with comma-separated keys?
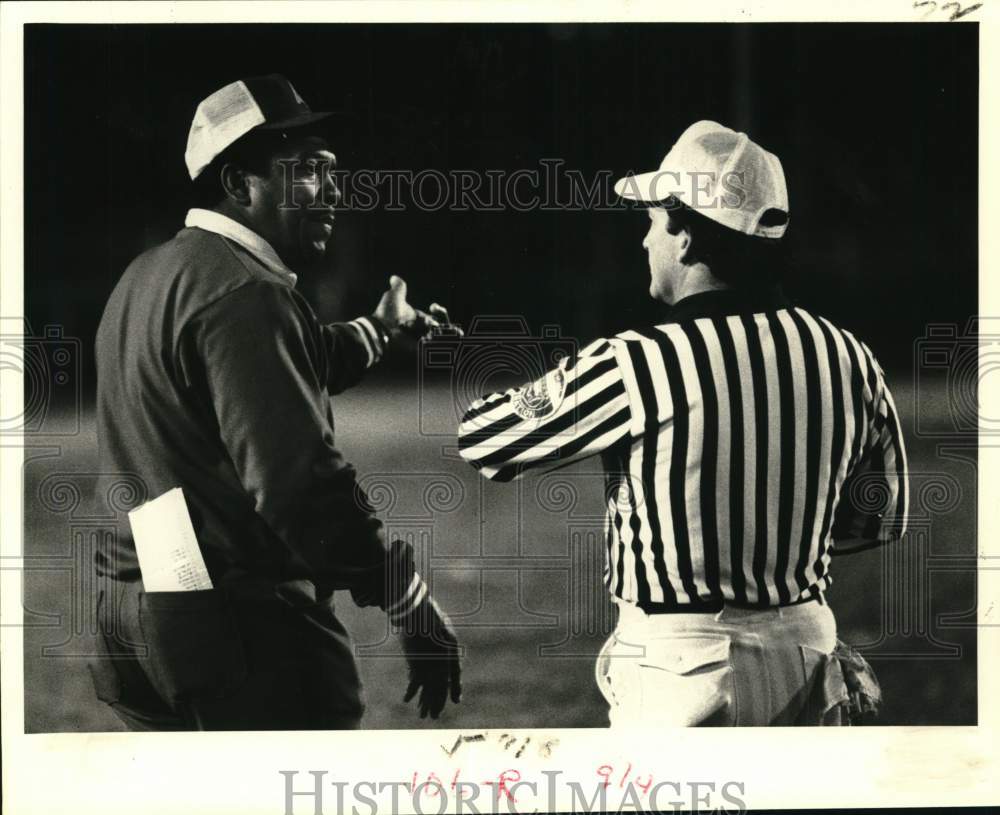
[
  {"x": 323, "y": 221},
  {"x": 326, "y": 218}
]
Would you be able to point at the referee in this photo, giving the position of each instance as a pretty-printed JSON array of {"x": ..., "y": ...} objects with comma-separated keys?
[{"x": 734, "y": 436}]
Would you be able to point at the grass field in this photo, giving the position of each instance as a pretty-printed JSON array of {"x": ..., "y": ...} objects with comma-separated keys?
[{"x": 516, "y": 568}]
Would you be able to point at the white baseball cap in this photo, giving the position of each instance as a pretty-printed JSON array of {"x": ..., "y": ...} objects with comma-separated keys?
[
  {"x": 721, "y": 174},
  {"x": 265, "y": 102}
]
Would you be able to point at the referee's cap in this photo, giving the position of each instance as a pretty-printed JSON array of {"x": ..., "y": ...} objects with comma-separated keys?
[
  {"x": 264, "y": 102},
  {"x": 721, "y": 174}
]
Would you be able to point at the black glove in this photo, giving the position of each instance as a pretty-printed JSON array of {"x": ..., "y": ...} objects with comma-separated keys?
[{"x": 432, "y": 654}]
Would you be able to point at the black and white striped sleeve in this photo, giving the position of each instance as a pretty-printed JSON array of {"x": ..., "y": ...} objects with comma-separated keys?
[
  {"x": 875, "y": 502},
  {"x": 575, "y": 410}
]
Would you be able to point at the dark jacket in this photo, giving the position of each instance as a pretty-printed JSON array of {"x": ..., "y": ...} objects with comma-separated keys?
[{"x": 214, "y": 375}]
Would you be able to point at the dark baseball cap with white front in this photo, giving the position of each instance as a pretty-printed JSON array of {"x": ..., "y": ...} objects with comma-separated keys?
[{"x": 257, "y": 102}]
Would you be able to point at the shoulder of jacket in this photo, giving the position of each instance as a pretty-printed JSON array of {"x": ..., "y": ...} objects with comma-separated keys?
[
  {"x": 601, "y": 347},
  {"x": 652, "y": 334},
  {"x": 264, "y": 299},
  {"x": 198, "y": 269},
  {"x": 206, "y": 267}
]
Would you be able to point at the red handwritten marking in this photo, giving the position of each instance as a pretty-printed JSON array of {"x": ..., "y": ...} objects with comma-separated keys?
[
  {"x": 512, "y": 776},
  {"x": 507, "y": 775},
  {"x": 454, "y": 779},
  {"x": 622, "y": 782},
  {"x": 608, "y": 769}
]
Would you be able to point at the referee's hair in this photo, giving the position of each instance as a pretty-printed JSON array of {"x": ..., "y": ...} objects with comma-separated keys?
[{"x": 744, "y": 262}]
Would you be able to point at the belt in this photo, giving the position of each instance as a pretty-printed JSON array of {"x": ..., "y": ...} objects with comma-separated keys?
[{"x": 715, "y": 606}]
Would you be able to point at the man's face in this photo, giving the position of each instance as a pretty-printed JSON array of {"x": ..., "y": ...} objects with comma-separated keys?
[
  {"x": 292, "y": 207},
  {"x": 664, "y": 251}
]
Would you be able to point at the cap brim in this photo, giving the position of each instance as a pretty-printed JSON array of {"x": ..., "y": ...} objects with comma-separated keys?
[
  {"x": 296, "y": 121},
  {"x": 649, "y": 188}
]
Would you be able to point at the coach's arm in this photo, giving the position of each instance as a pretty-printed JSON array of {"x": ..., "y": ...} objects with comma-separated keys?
[
  {"x": 353, "y": 347},
  {"x": 259, "y": 355}
]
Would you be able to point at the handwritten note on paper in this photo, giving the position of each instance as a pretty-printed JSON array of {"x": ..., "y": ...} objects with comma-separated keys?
[
  {"x": 948, "y": 11},
  {"x": 169, "y": 556}
]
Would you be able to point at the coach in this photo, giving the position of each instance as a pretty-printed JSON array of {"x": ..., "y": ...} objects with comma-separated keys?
[
  {"x": 214, "y": 375},
  {"x": 733, "y": 437}
]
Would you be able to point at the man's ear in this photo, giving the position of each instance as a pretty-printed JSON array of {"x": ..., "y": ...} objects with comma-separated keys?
[
  {"x": 685, "y": 253},
  {"x": 236, "y": 182}
]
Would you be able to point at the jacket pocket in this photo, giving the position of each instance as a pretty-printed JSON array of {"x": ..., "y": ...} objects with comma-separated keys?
[{"x": 194, "y": 643}]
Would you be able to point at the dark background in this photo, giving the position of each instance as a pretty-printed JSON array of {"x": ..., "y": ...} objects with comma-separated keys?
[{"x": 876, "y": 127}]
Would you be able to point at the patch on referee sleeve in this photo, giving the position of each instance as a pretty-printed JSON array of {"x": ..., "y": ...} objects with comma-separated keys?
[{"x": 542, "y": 397}]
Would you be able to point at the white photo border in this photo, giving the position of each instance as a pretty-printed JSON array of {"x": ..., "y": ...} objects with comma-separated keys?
[{"x": 239, "y": 772}]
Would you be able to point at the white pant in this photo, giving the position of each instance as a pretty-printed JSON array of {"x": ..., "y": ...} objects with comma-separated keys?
[{"x": 746, "y": 667}]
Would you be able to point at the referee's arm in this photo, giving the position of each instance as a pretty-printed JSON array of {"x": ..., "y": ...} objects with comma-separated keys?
[
  {"x": 576, "y": 410},
  {"x": 875, "y": 498}
]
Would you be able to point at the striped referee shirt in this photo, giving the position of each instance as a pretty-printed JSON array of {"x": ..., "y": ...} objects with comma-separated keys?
[{"x": 739, "y": 442}]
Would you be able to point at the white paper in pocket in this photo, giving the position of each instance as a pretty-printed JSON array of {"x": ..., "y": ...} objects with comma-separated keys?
[{"x": 169, "y": 556}]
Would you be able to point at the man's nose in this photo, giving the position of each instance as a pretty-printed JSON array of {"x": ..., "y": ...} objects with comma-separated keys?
[{"x": 331, "y": 192}]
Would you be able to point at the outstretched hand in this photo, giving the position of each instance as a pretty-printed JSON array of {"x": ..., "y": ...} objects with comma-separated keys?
[{"x": 399, "y": 316}]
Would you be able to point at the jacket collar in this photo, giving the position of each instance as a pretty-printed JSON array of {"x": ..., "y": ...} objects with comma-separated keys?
[
  {"x": 725, "y": 302},
  {"x": 220, "y": 224}
]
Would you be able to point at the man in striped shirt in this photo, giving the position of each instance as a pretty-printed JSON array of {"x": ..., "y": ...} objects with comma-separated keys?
[{"x": 744, "y": 441}]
